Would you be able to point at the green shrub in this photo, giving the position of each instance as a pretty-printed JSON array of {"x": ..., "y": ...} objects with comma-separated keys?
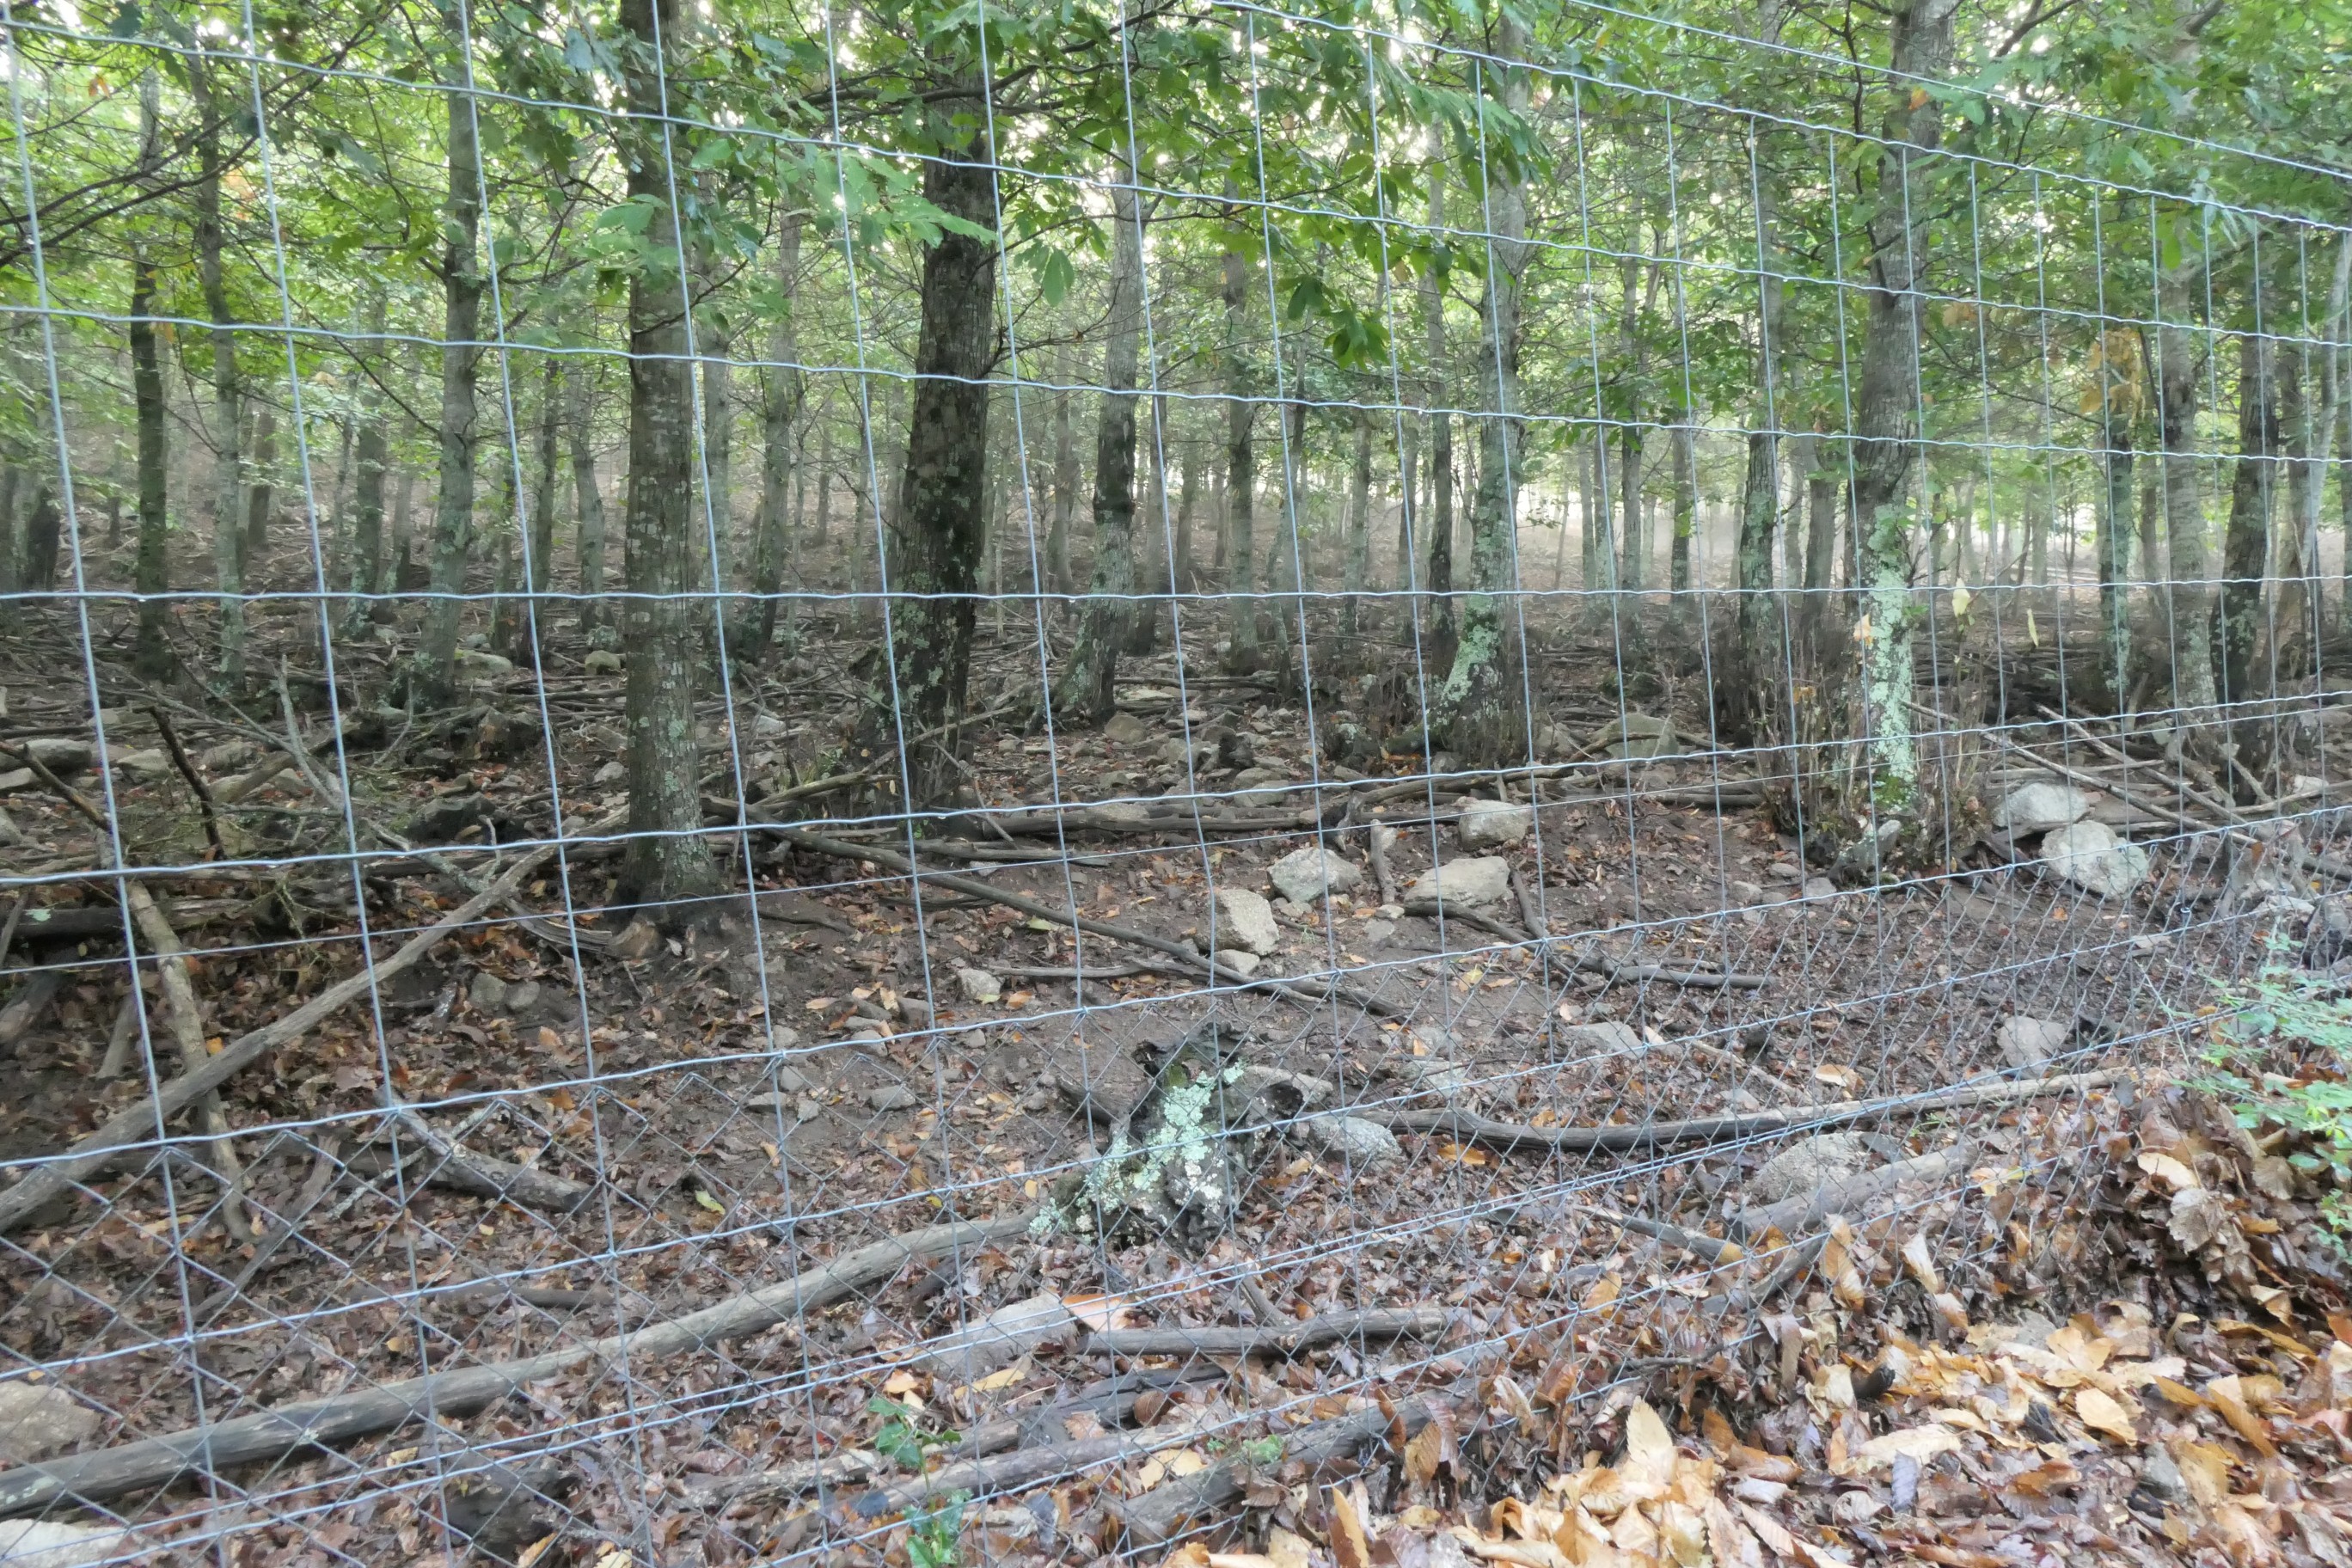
[{"x": 2281, "y": 1056}]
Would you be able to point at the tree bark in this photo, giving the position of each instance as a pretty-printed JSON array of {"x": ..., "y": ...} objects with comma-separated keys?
[
  {"x": 1360, "y": 523},
  {"x": 1241, "y": 413},
  {"x": 1886, "y": 433},
  {"x": 941, "y": 520},
  {"x": 228, "y": 391},
  {"x": 433, "y": 672},
  {"x": 541, "y": 566},
  {"x": 1058, "y": 577},
  {"x": 578, "y": 377},
  {"x": 2119, "y": 382},
  {"x": 1156, "y": 576},
  {"x": 2299, "y": 597},
  {"x": 1440, "y": 634},
  {"x": 1086, "y": 690},
  {"x": 152, "y": 574},
  {"x": 666, "y": 858},
  {"x": 2245, "y": 556},
  {"x": 2177, "y": 371},
  {"x": 1483, "y": 697},
  {"x": 370, "y": 449},
  {"x": 261, "y": 492},
  {"x": 783, "y": 392}
]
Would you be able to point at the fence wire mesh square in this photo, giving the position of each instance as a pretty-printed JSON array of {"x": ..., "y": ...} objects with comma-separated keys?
[{"x": 911, "y": 783}]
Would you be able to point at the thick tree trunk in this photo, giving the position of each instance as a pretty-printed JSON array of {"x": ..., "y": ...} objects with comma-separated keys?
[
  {"x": 1483, "y": 698},
  {"x": 1440, "y": 634},
  {"x": 715, "y": 549},
  {"x": 940, "y": 523},
  {"x": 667, "y": 859},
  {"x": 783, "y": 391},
  {"x": 434, "y": 673},
  {"x": 42, "y": 527},
  {"x": 1086, "y": 692},
  {"x": 152, "y": 574},
  {"x": 228, "y": 391},
  {"x": 1886, "y": 431},
  {"x": 1240, "y": 465},
  {"x": 2237, "y": 616},
  {"x": 2177, "y": 372}
]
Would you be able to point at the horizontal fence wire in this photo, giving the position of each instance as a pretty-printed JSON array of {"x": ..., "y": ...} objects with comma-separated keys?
[{"x": 929, "y": 785}]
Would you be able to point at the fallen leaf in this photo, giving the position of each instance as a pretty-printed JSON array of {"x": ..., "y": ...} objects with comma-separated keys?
[
  {"x": 1920, "y": 1443},
  {"x": 2102, "y": 1414},
  {"x": 1100, "y": 1313},
  {"x": 1921, "y": 1264},
  {"x": 2176, "y": 1176},
  {"x": 1350, "y": 1548},
  {"x": 1648, "y": 1446}
]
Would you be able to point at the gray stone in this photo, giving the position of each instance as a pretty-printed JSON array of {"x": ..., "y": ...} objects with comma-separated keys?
[
  {"x": 1365, "y": 1144},
  {"x": 1126, "y": 730},
  {"x": 1240, "y": 959},
  {"x": 603, "y": 661},
  {"x": 2326, "y": 941},
  {"x": 1606, "y": 1038},
  {"x": 1279, "y": 1092},
  {"x": 2028, "y": 1044},
  {"x": 1302, "y": 875},
  {"x": 610, "y": 773},
  {"x": 979, "y": 985},
  {"x": 1808, "y": 1165},
  {"x": 1256, "y": 779},
  {"x": 1245, "y": 919},
  {"x": 53, "y": 1543},
  {"x": 1473, "y": 880},
  {"x": 144, "y": 766},
  {"x": 1379, "y": 930},
  {"x": 1003, "y": 1336},
  {"x": 1493, "y": 825},
  {"x": 2160, "y": 1477},
  {"x": 11, "y": 836},
  {"x": 39, "y": 1418},
  {"x": 1430, "y": 1075},
  {"x": 488, "y": 993},
  {"x": 789, "y": 1081},
  {"x": 2040, "y": 807},
  {"x": 2090, "y": 856},
  {"x": 1635, "y": 735},
  {"x": 892, "y": 1096},
  {"x": 1819, "y": 887}
]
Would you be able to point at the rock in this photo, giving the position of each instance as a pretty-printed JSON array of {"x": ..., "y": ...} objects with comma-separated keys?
[
  {"x": 483, "y": 668},
  {"x": 1278, "y": 1092},
  {"x": 1126, "y": 730},
  {"x": 610, "y": 773},
  {"x": 11, "y": 836},
  {"x": 1302, "y": 875},
  {"x": 1240, "y": 959},
  {"x": 1635, "y": 735},
  {"x": 2039, "y": 807},
  {"x": 1235, "y": 748},
  {"x": 2028, "y": 1044},
  {"x": 1430, "y": 1075},
  {"x": 893, "y": 1097},
  {"x": 1180, "y": 750},
  {"x": 1473, "y": 880},
  {"x": 2326, "y": 941},
  {"x": 522, "y": 995},
  {"x": 52, "y": 1543},
  {"x": 1493, "y": 825},
  {"x": 1819, "y": 888},
  {"x": 789, "y": 1085},
  {"x": 61, "y": 755},
  {"x": 1807, "y": 1166},
  {"x": 145, "y": 765},
  {"x": 603, "y": 661},
  {"x": 1245, "y": 919},
  {"x": 1365, "y": 1144},
  {"x": 443, "y": 820},
  {"x": 1606, "y": 1038},
  {"x": 638, "y": 940},
  {"x": 1256, "y": 778},
  {"x": 2090, "y": 856},
  {"x": 2160, "y": 1477},
  {"x": 979, "y": 985},
  {"x": 1379, "y": 930},
  {"x": 1003, "y": 1336},
  {"x": 488, "y": 993},
  {"x": 39, "y": 1418}
]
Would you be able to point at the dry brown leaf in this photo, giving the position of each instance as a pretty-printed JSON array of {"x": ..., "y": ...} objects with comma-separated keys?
[
  {"x": 1682, "y": 1530},
  {"x": 2103, "y": 1414},
  {"x": 1734, "y": 1544},
  {"x": 1349, "y": 1547},
  {"x": 1921, "y": 1264},
  {"x": 2176, "y": 1176},
  {"x": 2227, "y": 1396},
  {"x": 1920, "y": 1443},
  {"x": 2205, "y": 1468},
  {"x": 1192, "y": 1554},
  {"x": 1649, "y": 1448},
  {"x": 1755, "y": 1462}
]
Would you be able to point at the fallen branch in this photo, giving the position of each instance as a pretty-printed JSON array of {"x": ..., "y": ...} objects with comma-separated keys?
[
  {"x": 501, "y": 1181},
  {"x": 146, "y": 1118},
  {"x": 1468, "y": 1127},
  {"x": 1695, "y": 979},
  {"x": 1850, "y": 1195},
  {"x": 317, "y": 1422},
  {"x": 1705, "y": 1248},
  {"x": 1406, "y": 1323}
]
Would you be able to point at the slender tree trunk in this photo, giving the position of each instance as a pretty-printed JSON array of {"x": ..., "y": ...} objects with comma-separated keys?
[
  {"x": 1408, "y": 498},
  {"x": 1635, "y": 541},
  {"x": 42, "y": 527},
  {"x": 1440, "y": 634},
  {"x": 261, "y": 496},
  {"x": 2178, "y": 372},
  {"x": 1685, "y": 456},
  {"x": 151, "y": 574},
  {"x": 1086, "y": 689},
  {"x": 1241, "y": 413},
  {"x": 783, "y": 391},
  {"x": 2245, "y": 554},
  {"x": 2113, "y": 532},
  {"x": 1359, "y": 522},
  {"x": 941, "y": 517},
  {"x": 667, "y": 859},
  {"x": 2300, "y": 607},
  {"x": 580, "y": 374},
  {"x": 540, "y": 551},
  {"x": 434, "y": 673},
  {"x": 1483, "y": 698},
  {"x": 1821, "y": 550},
  {"x": 369, "y": 450},
  {"x": 1186, "y": 577},
  {"x": 714, "y": 351},
  {"x": 1886, "y": 431},
  {"x": 228, "y": 390},
  {"x": 1156, "y": 578},
  {"x": 1058, "y": 576}
]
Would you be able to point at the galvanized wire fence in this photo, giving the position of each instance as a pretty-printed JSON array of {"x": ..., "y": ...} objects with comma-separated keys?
[{"x": 658, "y": 676}]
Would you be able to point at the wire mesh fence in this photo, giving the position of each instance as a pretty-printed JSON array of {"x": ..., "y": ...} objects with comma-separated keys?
[{"x": 658, "y": 666}]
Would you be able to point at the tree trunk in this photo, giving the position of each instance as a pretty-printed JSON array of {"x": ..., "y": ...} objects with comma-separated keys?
[
  {"x": 2245, "y": 555},
  {"x": 1146, "y": 613},
  {"x": 38, "y": 574},
  {"x": 1886, "y": 431},
  {"x": 1058, "y": 577},
  {"x": 434, "y": 673},
  {"x": 370, "y": 449},
  {"x": 1086, "y": 692},
  {"x": 941, "y": 517},
  {"x": 666, "y": 858},
  {"x": 1186, "y": 577},
  {"x": 1685, "y": 456},
  {"x": 261, "y": 497},
  {"x": 1359, "y": 522},
  {"x": 579, "y": 377},
  {"x": 783, "y": 391},
  {"x": 714, "y": 351},
  {"x": 1241, "y": 588},
  {"x": 1483, "y": 698},
  {"x": 1821, "y": 550},
  {"x": 539, "y": 544},
  {"x": 2300, "y": 606},
  {"x": 152, "y": 574},
  {"x": 2184, "y": 529},
  {"x": 228, "y": 393},
  {"x": 2113, "y": 524},
  {"x": 1439, "y": 637}
]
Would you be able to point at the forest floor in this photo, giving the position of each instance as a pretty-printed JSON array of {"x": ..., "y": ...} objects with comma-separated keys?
[{"x": 1659, "y": 1201}]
